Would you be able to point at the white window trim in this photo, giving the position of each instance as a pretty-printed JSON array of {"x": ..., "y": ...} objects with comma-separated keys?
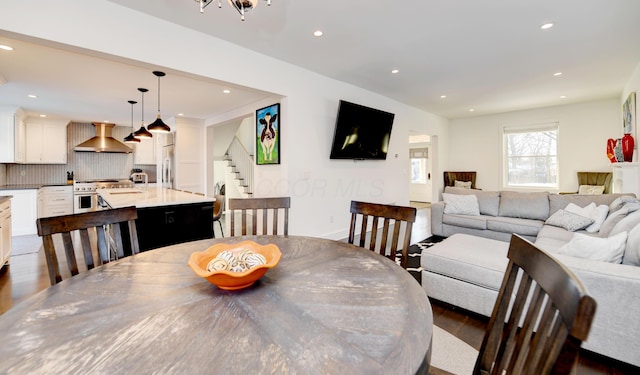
[{"x": 505, "y": 129}]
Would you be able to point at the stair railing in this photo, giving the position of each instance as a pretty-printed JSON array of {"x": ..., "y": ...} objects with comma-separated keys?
[{"x": 242, "y": 162}]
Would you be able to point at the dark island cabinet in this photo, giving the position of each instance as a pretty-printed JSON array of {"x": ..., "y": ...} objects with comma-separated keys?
[{"x": 168, "y": 225}]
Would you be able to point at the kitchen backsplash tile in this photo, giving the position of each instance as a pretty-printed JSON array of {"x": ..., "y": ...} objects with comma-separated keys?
[{"x": 85, "y": 165}]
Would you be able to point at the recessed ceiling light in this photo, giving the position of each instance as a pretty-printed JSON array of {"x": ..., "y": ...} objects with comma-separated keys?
[
  {"x": 395, "y": 71},
  {"x": 32, "y": 96},
  {"x": 472, "y": 110},
  {"x": 318, "y": 33},
  {"x": 557, "y": 74},
  {"x": 106, "y": 121},
  {"x": 43, "y": 115},
  {"x": 180, "y": 114},
  {"x": 442, "y": 96},
  {"x": 226, "y": 91},
  {"x": 6, "y": 48},
  {"x": 546, "y": 26},
  {"x": 563, "y": 96}
]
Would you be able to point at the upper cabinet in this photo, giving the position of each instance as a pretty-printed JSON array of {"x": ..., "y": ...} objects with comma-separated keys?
[
  {"x": 12, "y": 135},
  {"x": 46, "y": 142}
]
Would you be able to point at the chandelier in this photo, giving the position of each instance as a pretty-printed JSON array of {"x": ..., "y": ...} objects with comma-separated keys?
[{"x": 242, "y": 6}]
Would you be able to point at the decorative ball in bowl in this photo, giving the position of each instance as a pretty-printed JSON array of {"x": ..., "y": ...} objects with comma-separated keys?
[{"x": 234, "y": 266}]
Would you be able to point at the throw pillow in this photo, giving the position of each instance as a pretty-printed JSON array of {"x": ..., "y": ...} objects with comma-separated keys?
[
  {"x": 591, "y": 189},
  {"x": 598, "y": 214},
  {"x": 568, "y": 220},
  {"x": 461, "y": 204},
  {"x": 611, "y": 221},
  {"x": 603, "y": 249},
  {"x": 631, "y": 254},
  {"x": 626, "y": 224},
  {"x": 619, "y": 202},
  {"x": 462, "y": 184}
]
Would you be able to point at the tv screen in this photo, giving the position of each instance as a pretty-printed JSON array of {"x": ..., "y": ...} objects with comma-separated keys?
[{"x": 361, "y": 132}]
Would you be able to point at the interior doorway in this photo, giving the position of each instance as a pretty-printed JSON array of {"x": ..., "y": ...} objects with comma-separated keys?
[{"x": 421, "y": 160}]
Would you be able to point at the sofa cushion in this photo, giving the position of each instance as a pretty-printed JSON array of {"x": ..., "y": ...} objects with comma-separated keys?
[
  {"x": 569, "y": 221},
  {"x": 526, "y": 227},
  {"x": 608, "y": 249},
  {"x": 631, "y": 254},
  {"x": 460, "y": 204},
  {"x": 612, "y": 220},
  {"x": 487, "y": 200},
  {"x": 627, "y": 223},
  {"x": 560, "y": 201},
  {"x": 466, "y": 221},
  {"x": 524, "y": 205},
  {"x": 476, "y": 260},
  {"x": 552, "y": 238}
]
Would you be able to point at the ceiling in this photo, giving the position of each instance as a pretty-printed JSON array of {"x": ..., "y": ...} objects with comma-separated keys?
[{"x": 489, "y": 55}]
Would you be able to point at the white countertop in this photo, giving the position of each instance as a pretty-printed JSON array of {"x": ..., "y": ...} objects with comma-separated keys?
[{"x": 149, "y": 197}]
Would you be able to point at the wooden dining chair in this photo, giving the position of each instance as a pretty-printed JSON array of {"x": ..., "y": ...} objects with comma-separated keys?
[
  {"x": 270, "y": 208},
  {"x": 390, "y": 214},
  {"x": 540, "y": 318},
  {"x": 218, "y": 209},
  {"x": 84, "y": 223}
]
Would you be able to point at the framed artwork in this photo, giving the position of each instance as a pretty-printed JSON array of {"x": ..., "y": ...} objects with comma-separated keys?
[
  {"x": 268, "y": 135},
  {"x": 629, "y": 114}
]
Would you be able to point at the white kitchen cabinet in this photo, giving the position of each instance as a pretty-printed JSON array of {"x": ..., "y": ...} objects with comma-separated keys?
[
  {"x": 12, "y": 135},
  {"x": 5, "y": 232},
  {"x": 55, "y": 201},
  {"x": 46, "y": 142},
  {"x": 145, "y": 151},
  {"x": 24, "y": 212}
]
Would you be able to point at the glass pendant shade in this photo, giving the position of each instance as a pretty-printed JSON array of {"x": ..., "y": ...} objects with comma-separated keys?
[
  {"x": 130, "y": 138},
  {"x": 243, "y": 6},
  {"x": 142, "y": 133},
  {"x": 159, "y": 126}
]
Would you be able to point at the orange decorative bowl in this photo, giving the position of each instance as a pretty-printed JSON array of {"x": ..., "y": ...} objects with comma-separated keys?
[{"x": 231, "y": 280}]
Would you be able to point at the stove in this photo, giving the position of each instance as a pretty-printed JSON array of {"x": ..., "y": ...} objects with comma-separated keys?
[{"x": 85, "y": 195}]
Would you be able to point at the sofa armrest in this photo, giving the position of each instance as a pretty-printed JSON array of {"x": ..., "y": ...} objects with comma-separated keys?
[
  {"x": 615, "y": 287},
  {"x": 437, "y": 211}
]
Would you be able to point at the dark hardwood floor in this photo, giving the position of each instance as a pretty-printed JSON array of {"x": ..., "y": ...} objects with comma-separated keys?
[{"x": 27, "y": 275}]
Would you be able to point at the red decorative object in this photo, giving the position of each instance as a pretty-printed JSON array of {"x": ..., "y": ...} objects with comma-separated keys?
[
  {"x": 611, "y": 145},
  {"x": 627, "y": 147}
]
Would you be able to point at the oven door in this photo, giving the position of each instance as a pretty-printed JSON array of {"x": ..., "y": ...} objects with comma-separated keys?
[{"x": 86, "y": 202}]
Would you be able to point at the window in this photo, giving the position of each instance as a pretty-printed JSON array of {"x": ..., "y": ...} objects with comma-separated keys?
[
  {"x": 419, "y": 165},
  {"x": 531, "y": 156}
]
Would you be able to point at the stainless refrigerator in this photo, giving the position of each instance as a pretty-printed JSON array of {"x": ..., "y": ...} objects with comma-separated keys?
[{"x": 168, "y": 162}]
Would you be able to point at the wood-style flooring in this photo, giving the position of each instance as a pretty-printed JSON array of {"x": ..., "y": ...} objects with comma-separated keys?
[{"x": 27, "y": 275}]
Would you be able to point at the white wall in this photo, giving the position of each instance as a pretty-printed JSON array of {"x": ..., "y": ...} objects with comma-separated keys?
[
  {"x": 583, "y": 134},
  {"x": 321, "y": 189}
]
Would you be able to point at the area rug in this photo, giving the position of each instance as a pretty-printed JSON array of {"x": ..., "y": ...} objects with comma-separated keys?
[
  {"x": 449, "y": 354},
  {"x": 413, "y": 263},
  {"x": 27, "y": 244}
]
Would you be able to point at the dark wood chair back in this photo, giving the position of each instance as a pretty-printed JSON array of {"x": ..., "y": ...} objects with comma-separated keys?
[
  {"x": 451, "y": 177},
  {"x": 83, "y": 223},
  {"x": 540, "y": 318},
  {"x": 270, "y": 208},
  {"x": 388, "y": 213},
  {"x": 218, "y": 209}
]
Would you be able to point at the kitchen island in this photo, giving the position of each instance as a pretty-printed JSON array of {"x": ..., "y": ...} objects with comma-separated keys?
[{"x": 165, "y": 216}]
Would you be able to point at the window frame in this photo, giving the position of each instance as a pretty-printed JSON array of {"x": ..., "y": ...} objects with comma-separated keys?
[{"x": 505, "y": 130}]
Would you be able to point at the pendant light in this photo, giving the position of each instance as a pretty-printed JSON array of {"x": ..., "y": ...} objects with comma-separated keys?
[
  {"x": 130, "y": 138},
  {"x": 142, "y": 133},
  {"x": 159, "y": 126}
]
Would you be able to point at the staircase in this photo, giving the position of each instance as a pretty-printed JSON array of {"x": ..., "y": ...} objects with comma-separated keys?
[{"x": 241, "y": 163}]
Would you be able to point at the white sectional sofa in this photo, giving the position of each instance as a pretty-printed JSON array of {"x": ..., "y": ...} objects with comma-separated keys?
[{"x": 467, "y": 268}]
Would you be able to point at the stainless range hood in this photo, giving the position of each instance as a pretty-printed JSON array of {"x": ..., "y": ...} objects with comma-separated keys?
[{"x": 103, "y": 141}]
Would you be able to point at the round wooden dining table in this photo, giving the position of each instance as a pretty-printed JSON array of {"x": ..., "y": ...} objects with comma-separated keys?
[{"x": 328, "y": 307}]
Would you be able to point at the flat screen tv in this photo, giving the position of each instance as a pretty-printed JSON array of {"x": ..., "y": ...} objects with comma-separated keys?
[{"x": 361, "y": 133}]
